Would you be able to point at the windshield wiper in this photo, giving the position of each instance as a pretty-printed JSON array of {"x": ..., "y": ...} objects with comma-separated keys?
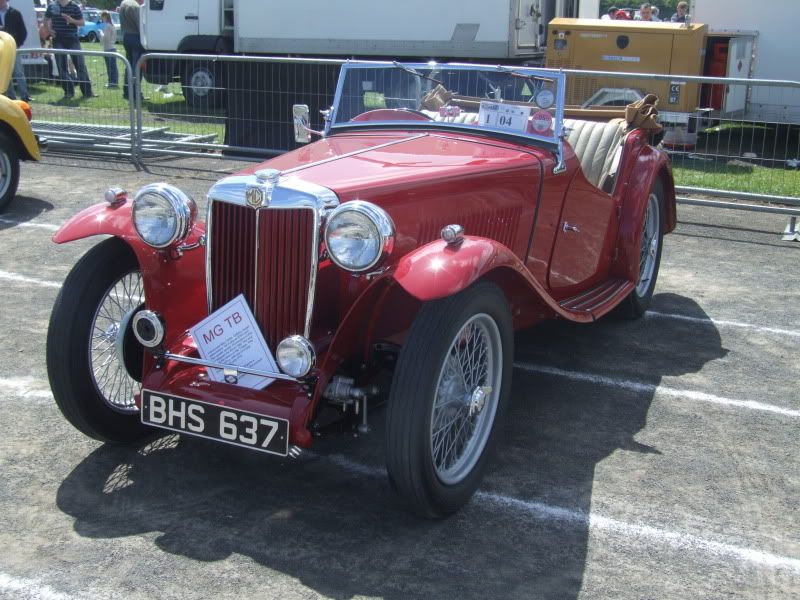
[{"x": 403, "y": 67}]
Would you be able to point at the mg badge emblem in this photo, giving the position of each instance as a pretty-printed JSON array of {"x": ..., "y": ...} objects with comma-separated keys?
[{"x": 254, "y": 196}]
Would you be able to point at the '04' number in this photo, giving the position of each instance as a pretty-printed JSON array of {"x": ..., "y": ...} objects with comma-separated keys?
[{"x": 230, "y": 424}]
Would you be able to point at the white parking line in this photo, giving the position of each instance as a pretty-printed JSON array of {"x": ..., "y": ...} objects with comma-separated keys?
[
  {"x": 16, "y": 277},
  {"x": 28, "y": 224},
  {"x": 636, "y": 531},
  {"x": 652, "y": 314},
  {"x": 30, "y": 588},
  {"x": 649, "y": 388}
]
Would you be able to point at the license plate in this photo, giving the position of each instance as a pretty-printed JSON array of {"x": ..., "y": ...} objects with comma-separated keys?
[{"x": 214, "y": 422}]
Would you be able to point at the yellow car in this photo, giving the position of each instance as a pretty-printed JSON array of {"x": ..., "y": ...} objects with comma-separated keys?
[{"x": 17, "y": 141}]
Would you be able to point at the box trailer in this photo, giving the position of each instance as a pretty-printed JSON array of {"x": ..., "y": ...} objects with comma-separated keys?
[{"x": 470, "y": 30}]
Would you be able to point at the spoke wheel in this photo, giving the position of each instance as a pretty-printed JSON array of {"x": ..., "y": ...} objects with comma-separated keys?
[
  {"x": 109, "y": 373},
  {"x": 650, "y": 245},
  {"x": 90, "y": 347},
  {"x": 651, "y": 228},
  {"x": 448, "y": 399},
  {"x": 466, "y": 399}
]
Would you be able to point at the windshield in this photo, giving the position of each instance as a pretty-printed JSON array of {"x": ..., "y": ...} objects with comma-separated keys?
[{"x": 516, "y": 101}]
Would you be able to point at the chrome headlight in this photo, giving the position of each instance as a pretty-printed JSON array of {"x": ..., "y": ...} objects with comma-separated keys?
[
  {"x": 358, "y": 235},
  {"x": 163, "y": 214},
  {"x": 295, "y": 356}
]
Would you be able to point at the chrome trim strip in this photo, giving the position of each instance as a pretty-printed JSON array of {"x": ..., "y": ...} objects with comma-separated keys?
[
  {"x": 291, "y": 192},
  {"x": 213, "y": 365}
]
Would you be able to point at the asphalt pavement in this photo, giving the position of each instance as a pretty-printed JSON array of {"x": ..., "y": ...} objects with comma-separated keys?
[{"x": 648, "y": 459}]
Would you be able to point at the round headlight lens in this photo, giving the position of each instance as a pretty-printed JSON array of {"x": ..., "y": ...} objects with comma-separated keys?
[
  {"x": 295, "y": 356},
  {"x": 358, "y": 235},
  {"x": 162, "y": 214}
]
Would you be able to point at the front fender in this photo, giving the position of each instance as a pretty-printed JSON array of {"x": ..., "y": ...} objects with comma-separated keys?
[
  {"x": 17, "y": 123},
  {"x": 165, "y": 275},
  {"x": 438, "y": 270}
]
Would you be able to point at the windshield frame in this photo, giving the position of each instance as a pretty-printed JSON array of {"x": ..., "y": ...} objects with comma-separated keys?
[{"x": 331, "y": 125}]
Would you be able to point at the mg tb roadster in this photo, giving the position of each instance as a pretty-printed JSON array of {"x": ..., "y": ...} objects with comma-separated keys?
[{"x": 387, "y": 263}]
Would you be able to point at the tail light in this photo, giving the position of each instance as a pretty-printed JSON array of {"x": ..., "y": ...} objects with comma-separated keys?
[{"x": 26, "y": 108}]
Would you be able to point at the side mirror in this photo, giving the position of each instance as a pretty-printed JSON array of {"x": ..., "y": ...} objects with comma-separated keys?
[{"x": 302, "y": 131}]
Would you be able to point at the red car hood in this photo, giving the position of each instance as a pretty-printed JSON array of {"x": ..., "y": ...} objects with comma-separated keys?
[{"x": 347, "y": 163}]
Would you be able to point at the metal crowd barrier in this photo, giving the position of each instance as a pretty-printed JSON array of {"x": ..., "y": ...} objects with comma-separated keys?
[
  {"x": 81, "y": 112},
  {"x": 239, "y": 108}
]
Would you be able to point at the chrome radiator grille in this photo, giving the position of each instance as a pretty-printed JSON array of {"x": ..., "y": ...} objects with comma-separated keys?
[{"x": 267, "y": 255}]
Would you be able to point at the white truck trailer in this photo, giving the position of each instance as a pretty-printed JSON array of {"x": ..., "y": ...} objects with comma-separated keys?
[
  {"x": 479, "y": 30},
  {"x": 771, "y": 27}
]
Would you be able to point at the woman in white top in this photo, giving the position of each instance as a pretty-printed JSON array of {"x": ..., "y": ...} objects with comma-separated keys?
[{"x": 109, "y": 39}]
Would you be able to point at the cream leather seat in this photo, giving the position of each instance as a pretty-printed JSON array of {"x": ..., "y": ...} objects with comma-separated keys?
[
  {"x": 598, "y": 146},
  {"x": 468, "y": 118}
]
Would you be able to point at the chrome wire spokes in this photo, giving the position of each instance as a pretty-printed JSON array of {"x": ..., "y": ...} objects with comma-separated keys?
[
  {"x": 649, "y": 249},
  {"x": 466, "y": 399},
  {"x": 109, "y": 374}
]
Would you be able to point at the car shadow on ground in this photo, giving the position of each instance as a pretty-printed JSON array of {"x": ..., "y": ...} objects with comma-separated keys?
[
  {"x": 330, "y": 520},
  {"x": 23, "y": 209}
]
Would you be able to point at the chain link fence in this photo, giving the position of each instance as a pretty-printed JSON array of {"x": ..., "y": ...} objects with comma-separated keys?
[{"x": 744, "y": 143}]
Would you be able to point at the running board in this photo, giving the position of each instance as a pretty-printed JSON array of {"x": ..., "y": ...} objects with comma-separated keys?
[{"x": 598, "y": 300}]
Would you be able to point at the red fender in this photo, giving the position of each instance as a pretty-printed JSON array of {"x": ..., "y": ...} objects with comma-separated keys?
[
  {"x": 642, "y": 173},
  {"x": 438, "y": 270},
  {"x": 164, "y": 274}
]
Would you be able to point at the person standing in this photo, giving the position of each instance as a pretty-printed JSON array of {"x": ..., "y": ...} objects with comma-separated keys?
[
  {"x": 12, "y": 23},
  {"x": 131, "y": 38},
  {"x": 645, "y": 13},
  {"x": 681, "y": 16},
  {"x": 109, "y": 39},
  {"x": 611, "y": 15},
  {"x": 63, "y": 17}
]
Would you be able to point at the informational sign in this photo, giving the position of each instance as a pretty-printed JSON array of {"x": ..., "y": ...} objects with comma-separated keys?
[
  {"x": 504, "y": 116},
  {"x": 231, "y": 336}
]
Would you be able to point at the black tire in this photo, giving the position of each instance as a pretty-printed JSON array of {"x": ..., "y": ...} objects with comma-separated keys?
[
  {"x": 409, "y": 442},
  {"x": 69, "y": 336},
  {"x": 200, "y": 83},
  {"x": 638, "y": 301},
  {"x": 92, "y": 37},
  {"x": 9, "y": 169}
]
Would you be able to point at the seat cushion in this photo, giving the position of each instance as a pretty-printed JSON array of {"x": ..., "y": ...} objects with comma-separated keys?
[{"x": 595, "y": 143}]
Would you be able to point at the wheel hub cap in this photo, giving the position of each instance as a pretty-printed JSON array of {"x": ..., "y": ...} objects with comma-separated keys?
[{"x": 477, "y": 399}]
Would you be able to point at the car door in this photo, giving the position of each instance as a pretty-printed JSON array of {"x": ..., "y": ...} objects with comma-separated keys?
[{"x": 582, "y": 250}]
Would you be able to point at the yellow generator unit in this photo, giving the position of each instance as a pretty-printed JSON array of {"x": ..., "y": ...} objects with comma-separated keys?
[{"x": 628, "y": 46}]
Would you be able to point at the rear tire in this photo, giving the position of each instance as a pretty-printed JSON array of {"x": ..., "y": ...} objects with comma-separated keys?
[
  {"x": 448, "y": 399},
  {"x": 638, "y": 301},
  {"x": 90, "y": 383},
  {"x": 9, "y": 170}
]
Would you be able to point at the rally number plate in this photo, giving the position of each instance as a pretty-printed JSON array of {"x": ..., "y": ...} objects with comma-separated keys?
[{"x": 213, "y": 422}]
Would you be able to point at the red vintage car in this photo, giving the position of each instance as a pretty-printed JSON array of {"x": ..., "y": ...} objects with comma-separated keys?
[{"x": 388, "y": 262}]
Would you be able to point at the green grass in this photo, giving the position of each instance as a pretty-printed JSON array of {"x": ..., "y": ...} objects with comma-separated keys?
[
  {"x": 719, "y": 160},
  {"x": 160, "y": 108}
]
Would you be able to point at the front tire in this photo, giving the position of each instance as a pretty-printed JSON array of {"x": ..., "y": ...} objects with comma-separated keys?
[
  {"x": 90, "y": 383},
  {"x": 448, "y": 399},
  {"x": 9, "y": 170},
  {"x": 200, "y": 84},
  {"x": 638, "y": 301}
]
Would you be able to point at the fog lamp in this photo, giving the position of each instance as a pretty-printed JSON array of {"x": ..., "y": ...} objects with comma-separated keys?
[
  {"x": 148, "y": 328},
  {"x": 295, "y": 356}
]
